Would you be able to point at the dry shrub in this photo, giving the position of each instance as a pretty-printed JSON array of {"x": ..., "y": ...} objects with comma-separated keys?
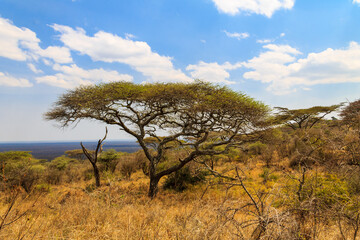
[{"x": 128, "y": 165}]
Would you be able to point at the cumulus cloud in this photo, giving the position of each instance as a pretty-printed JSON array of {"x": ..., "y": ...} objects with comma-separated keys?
[
  {"x": 73, "y": 76},
  {"x": 110, "y": 48},
  {"x": 212, "y": 72},
  {"x": 10, "y": 81},
  {"x": 284, "y": 72},
  {"x": 263, "y": 7},
  {"x": 356, "y": 1},
  {"x": 21, "y": 44},
  {"x": 237, "y": 35}
]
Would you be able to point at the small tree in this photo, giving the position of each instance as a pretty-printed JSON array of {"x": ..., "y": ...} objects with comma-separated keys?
[
  {"x": 76, "y": 154},
  {"x": 110, "y": 159},
  {"x": 303, "y": 118},
  {"x": 198, "y": 116}
]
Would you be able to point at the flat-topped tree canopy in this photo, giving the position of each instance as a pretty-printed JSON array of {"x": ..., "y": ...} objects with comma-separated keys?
[
  {"x": 303, "y": 118},
  {"x": 206, "y": 115}
]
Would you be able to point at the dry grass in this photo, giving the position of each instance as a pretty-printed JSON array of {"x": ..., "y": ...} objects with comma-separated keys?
[{"x": 121, "y": 210}]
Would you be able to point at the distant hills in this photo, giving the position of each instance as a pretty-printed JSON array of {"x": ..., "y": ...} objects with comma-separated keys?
[{"x": 51, "y": 150}]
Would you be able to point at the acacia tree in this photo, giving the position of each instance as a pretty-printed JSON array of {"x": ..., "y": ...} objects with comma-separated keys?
[
  {"x": 303, "y": 118},
  {"x": 203, "y": 118}
]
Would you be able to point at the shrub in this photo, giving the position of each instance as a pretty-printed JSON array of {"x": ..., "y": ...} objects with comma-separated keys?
[
  {"x": 180, "y": 180},
  {"x": 19, "y": 168},
  {"x": 257, "y": 148},
  {"x": 128, "y": 166},
  {"x": 109, "y": 160},
  {"x": 62, "y": 169},
  {"x": 60, "y": 163}
]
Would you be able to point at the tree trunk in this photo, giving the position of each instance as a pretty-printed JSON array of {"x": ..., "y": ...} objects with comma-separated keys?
[
  {"x": 153, "y": 188},
  {"x": 96, "y": 175}
]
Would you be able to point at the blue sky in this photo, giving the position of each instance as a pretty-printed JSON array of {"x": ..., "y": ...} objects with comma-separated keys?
[{"x": 287, "y": 53}]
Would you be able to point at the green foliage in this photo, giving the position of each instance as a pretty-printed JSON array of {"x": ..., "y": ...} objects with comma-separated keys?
[
  {"x": 62, "y": 169},
  {"x": 110, "y": 159},
  {"x": 19, "y": 168},
  {"x": 76, "y": 153},
  {"x": 60, "y": 163},
  {"x": 180, "y": 180},
  {"x": 257, "y": 148},
  {"x": 327, "y": 189},
  {"x": 303, "y": 118}
]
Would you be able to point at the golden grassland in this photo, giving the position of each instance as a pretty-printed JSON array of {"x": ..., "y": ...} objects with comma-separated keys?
[{"x": 120, "y": 209}]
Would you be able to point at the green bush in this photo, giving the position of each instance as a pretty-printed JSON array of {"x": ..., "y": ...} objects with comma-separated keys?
[
  {"x": 62, "y": 169},
  {"x": 109, "y": 160},
  {"x": 180, "y": 180},
  {"x": 19, "y": 168},
  {"x": 257, "y": 148},
  {"x": 326, "y": 189},
  {"x": 60, "y": 163}
]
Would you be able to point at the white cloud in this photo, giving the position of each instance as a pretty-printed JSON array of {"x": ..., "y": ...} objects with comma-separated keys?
[
  {"x": 129, "y": 36},
  {"x": 236, "y": 35},
  {"x": 33, "y": 68},
  {"x": 263, "y": 7},
  {"x": 264, "y": 41},
  {"x": 57, "y": 54},
  {"x": 279, "y": 67},
  {"x": 110, "y": 48},
  {"x": 10, "y": 81},
  {"x": 356, "y": 1},
  {"x": 212, "y": 72},
  {"x": 10, "y": 39},
  {"x": 73, "y": 76},
  {"x": 21, "y": 44}
]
